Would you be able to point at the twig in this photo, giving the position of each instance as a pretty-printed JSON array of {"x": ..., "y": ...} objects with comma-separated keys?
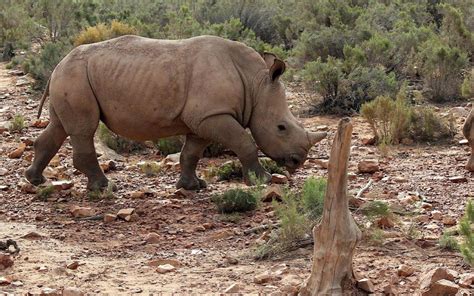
[{"x": 363, "y": 189}]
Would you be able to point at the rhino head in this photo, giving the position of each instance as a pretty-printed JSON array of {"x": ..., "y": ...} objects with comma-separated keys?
[{"x": 276, "y": 131}]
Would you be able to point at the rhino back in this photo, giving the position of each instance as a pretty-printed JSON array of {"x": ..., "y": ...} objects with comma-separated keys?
[{"x": 148, "y": 88}]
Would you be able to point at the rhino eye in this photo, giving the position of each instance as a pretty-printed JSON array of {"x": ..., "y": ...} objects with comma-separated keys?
[{"x": 281, "y": 127}]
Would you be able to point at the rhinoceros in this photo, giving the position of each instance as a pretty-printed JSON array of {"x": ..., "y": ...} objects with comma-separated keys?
[
  {"x": 468, "y": 131},
  {"x": 206, "y": 88}
]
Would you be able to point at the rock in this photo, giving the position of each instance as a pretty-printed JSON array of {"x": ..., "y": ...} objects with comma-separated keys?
[
  {"x": 72, "y": 291},
  {"x": 400, "y": 179},
  {"x": 434, "y": 275},
  {"x": 18, "y": 152},
  {"x": 463, "y": 142},
  {"x": 50, "y": 292},
  {"x": 5, "y": 261},
  {"x": 21, "y": 82},
  {"x": 263, "y": 278},
  {"x": 171, "y": 161},
  {"x": 62, "y": 184},
  {"x": 436, "y": 215},
  {"x": 405, "y": 270},
  {"x": 81, "y": 212},
  {"x": 125, "y": 213},
  {"x": 73, "y": 265},
  {"x": 40, "y": 123},
  {"x": 234, "y": 288},
  {"x": 152, "y": 238},
  {"x": 183, "y": 193},
  {"x": 27, "y": 187},
  {"x": 3, "y": 187},
  {"x": 458, "y": 112},
  {"x": 385, "y": 222},
  {"x": 158, "y": 262},
  {"x": 448, "y": 220},
  {"x": 368, "y": 140},
  {"x": 458, "y": 179},
  {"x": 324, "y": 163},
  {"x": 108, "y": 218},
  {"x": 4, "y": 281},
  {"x": 366, "y": 285},
  {"x": 356, "y": 202},
  {"x": 441, "y": 287},
  {"x": 466, "y": 280},
  {"x": 3, "y": 171},
  {"x": 422, "y": 218},
  {"x": 225, "y": 233},
  {"x": 131, "y": 218},
  {"x": 368, "y": 166},
  {"x": 33, "y": 236},
  {"x": 322, "y": 128},
  {"x": 136, "y": 194},
  {"x": 165, "y": 268},
  {"x": 16, "y": 72},
  {"x": 107, "y": 166},
  {"x": 279, "y": 179},
  {"x": 272, "y": 192}
]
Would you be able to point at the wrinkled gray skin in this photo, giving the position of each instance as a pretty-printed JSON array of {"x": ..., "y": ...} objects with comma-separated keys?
[
  {"x": 468, "y": 131},
  {"x": 207, "y": 88}
]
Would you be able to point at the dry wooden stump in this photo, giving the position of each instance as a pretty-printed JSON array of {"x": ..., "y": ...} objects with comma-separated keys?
[{"x": 335, "y": 238}]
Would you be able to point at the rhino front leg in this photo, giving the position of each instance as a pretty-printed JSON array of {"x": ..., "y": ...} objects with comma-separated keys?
[
  {"x": 226, "y": 130},
  {"x": 191, "y": 153}
]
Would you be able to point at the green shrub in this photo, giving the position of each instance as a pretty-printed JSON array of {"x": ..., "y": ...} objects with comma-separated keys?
[
  {"x": 448, "y": 242},
  {"x": 312, "y": 195},
  {"x": 44, "y": 192},
  {"x": 271, "y": 166},
  {"x": 149, "y": 168},
  {"x": 235, "y": 200},
  {"x": 169, "y": 145},
  {"x": 467, "y": 86},
  {"x": 17, "y": 124},
  {"x": 294, "y": 223},
  {"x": 392, "y": 121},
  {"x": 107, "y": 193},
  {"x": 116, "y": 142},
  {"x": 376, "y": 209},
  {"x": 229, "y": 170},
  {"x": 465, "y": 229}
]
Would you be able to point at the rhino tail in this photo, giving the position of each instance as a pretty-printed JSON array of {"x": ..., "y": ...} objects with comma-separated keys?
[{"x": 43, "y": 98}]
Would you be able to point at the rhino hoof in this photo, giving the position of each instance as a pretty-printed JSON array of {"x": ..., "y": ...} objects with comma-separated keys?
[
  {"x": 191, "y": 184},
  {"x": 34, "y": 178},
  {"x": 101, "y": 185}
]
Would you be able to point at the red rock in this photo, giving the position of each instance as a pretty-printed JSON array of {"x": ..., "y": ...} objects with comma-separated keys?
[
  {"x": 441, "y": 287},
  {"x": 18, "y": 152},
  {"x": 434, "y": 275},
  {"x": 272, "y": 192},
  {"x": 368, "y": 140},
  {"x": 183, "y": 193},
  {"x": 40, "y": 123},
  {"x": 368, "y": 166},
  {"x": 158, "y": 262},
  {"x": 263, "y": 278},
  {"x": 279, "y": 179},
  {"x": 108, "y": 218},
  {"x": 385, "y": 222},
  {"x": 4, "y": 281},
  {"x": 136, "y": 194},
  {"x": 466, "y": 280},
  {"x": 124, "y": 213},
  {"x": 152, "y": 238},
  {"x": 405, "y": 270},
  {"x": 366, "y": 285},
  {"x": 74, "y": 265},
  {"x": 72, "y": 291},
  {"x": 5, "y": 261},
  {"x": 324, "y": 163},
  {"x": 81, "y": 212}
]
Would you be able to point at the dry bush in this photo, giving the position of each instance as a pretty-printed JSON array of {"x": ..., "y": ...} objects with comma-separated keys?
[{"x": 101, "y": 32}]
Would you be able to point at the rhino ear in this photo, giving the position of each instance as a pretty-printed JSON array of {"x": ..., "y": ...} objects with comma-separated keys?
[{"x": 277, "y": 67}]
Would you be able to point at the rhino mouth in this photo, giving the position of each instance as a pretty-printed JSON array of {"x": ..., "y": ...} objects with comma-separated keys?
[{"x": 291, "y": 162}]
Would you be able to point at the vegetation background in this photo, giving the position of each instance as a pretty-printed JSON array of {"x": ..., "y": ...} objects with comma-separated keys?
[{"x": 348, "y": 52}]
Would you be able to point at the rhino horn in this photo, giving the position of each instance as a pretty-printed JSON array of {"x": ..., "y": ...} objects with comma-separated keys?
[{"x": 316, "y": 137}]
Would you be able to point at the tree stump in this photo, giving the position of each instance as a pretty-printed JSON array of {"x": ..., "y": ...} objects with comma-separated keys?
[
  {"x": 335, "y": 238},
  {"x": 468, "y": 131}
]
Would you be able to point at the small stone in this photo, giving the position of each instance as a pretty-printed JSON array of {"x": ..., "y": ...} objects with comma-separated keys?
[
  {"x": 136, "y": 194},
  {"x": 33, "y": 236},
  {"x": 124, "y": 213},
  {"x": 183, "y": 193},
  {"x": 368, "y": 140},
  {"x": 463, "y": 142},
  {"x": 131, "y": 218},
  {"x": 279, "y": 179},
  {"x": 442, "y": 287},
  {"x": 73, "y": 265},
  {"x": 3, "y": 171},
  {"x": 4, "y": 281},
  {"x": 356, "y": 202},
  {"x": 324, "y": 163},
  {"x": 458, "y": 179},
  {"x": 436, "y": 215},
  {"x": 368, "y": 166},
  {"x": 3, "y": 187},
  {"x": 263, "y": 278},
  {"x": 165, "y": 268},
  {"x": 5, "y": 261},
  {"x": 422, "y": 218},
  {"x": 400, "y": 179},
  {"x": 152, "y": 238},
  {"x": 50, "y": 292},
  {"x": 42, "y": 268},
  {"x": 62, "y": 184},
  {"x": 272, "y": 192},
  {"x": 434, "y": 275},
  {"x": 225, "y": 233},
  {"x": 158, "y": 262},
  {"x": 27, "y": 187},
  {"x": 72, "y": 291},
  {"x": 322, "y": 128},
  {"x": 18, "y": 152},
  {"x": 466, "y": 280},
  {"x": 40, "y": 123},
  {"x": 108, "y": 218},
  {"x": 432, "y": 226},
  {"x": 234, "y": 288},
  {"x": 448, "y": 220},
  {"x": 81, "y": 212},
  {"x": 366, "y": 285},
  {"x": 385, "y": 222},
  {"x": 405, "y": 270}
]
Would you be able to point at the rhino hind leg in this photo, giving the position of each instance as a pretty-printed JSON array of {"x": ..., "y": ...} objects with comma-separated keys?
[
  {"x": 192, "y": 151},
  {"x": 46, "y": 146},
  {"x": 226, "y": 130},
  {"x": 85, "y": 160}
]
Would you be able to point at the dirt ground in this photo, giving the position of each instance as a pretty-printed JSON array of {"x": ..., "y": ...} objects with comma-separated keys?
[{"x": 213, "y": 253}]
